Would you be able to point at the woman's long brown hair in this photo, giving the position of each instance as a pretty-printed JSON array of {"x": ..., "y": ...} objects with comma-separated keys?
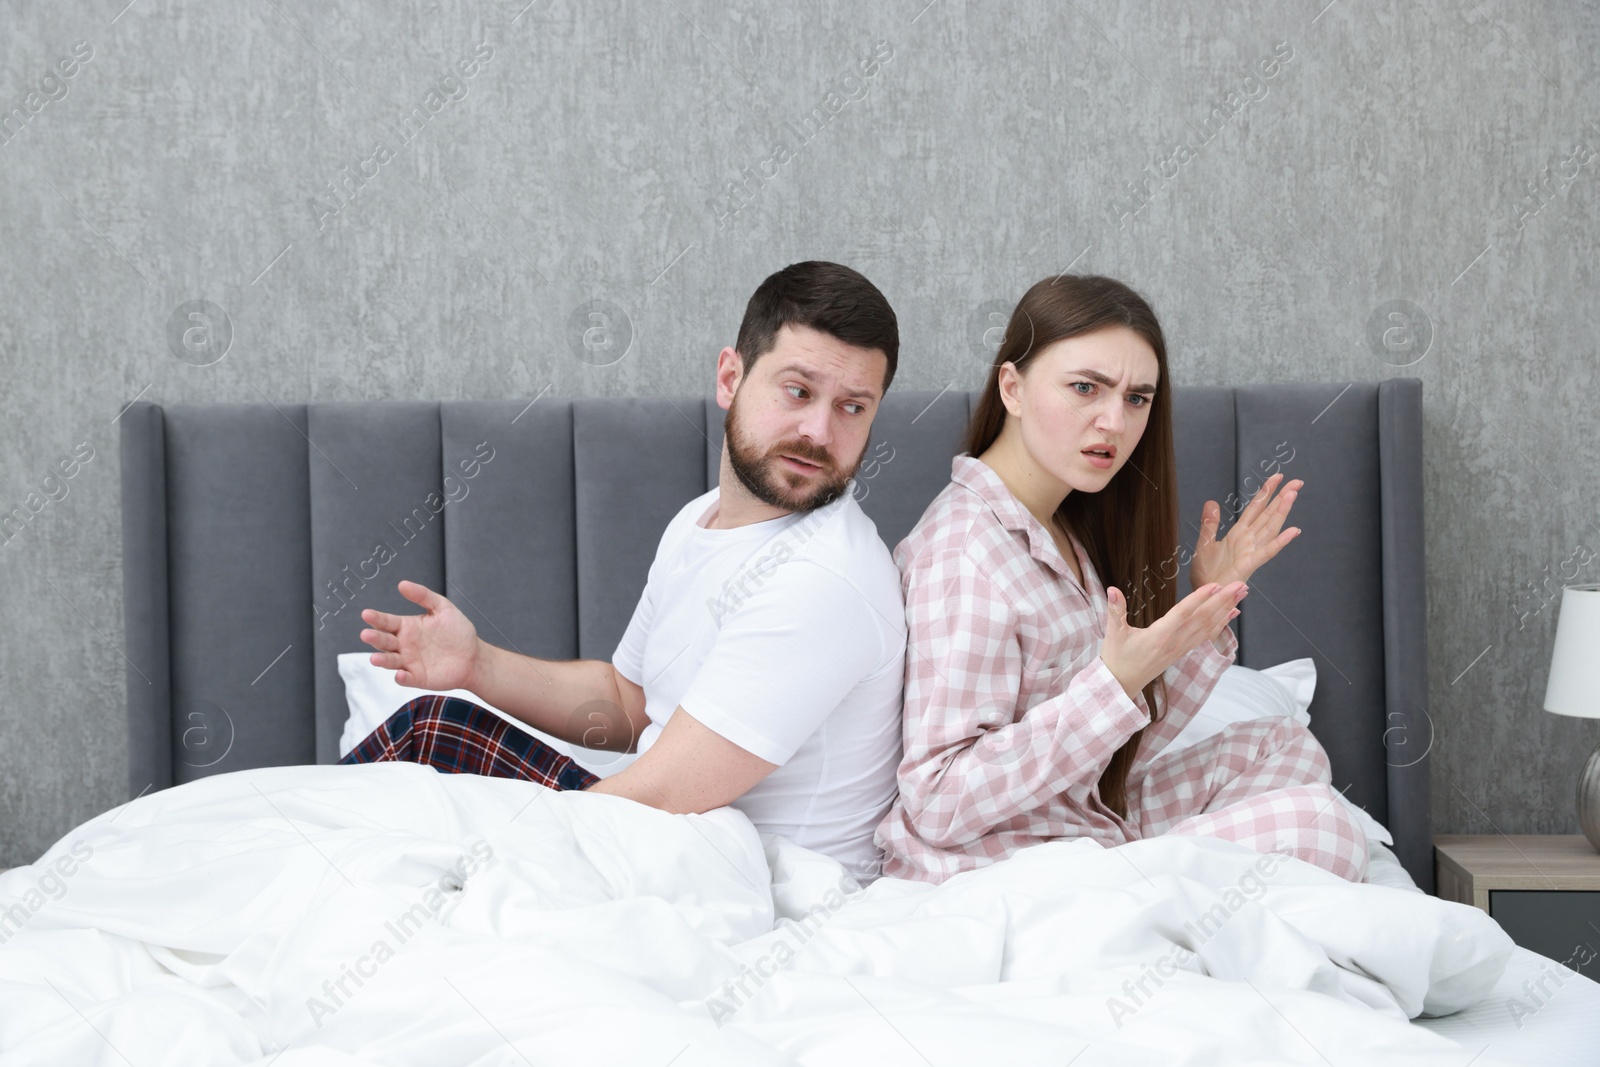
[{"x": 1130, "y": 528}]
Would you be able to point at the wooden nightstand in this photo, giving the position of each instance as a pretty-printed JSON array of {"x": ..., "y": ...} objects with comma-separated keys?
[{"x": 1543, "y": 889}]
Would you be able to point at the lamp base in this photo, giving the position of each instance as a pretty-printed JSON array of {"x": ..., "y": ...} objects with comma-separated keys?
[{"x": 1589, "y": 799}]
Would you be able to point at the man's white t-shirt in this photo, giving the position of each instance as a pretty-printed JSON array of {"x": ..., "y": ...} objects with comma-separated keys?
[{"x": 786, "y": 637}]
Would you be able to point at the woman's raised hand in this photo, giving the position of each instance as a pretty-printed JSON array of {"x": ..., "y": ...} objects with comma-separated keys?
[
  {"x": 1135, "y": 655},
  {"x": 1253, "y": 540},
  {"x": 435, "y": 650}
]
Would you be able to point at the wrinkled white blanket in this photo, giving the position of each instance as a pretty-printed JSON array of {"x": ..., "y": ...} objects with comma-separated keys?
[{"x": 388, "y": 914}]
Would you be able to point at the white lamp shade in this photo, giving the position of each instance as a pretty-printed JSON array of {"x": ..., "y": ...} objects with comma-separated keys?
[{"x": 1574, "y": 685}]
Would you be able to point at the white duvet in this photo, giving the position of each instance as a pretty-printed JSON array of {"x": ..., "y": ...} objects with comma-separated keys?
[{"x": 388, "y": 914}]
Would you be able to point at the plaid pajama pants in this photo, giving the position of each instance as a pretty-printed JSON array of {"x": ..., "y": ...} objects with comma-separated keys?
[
  {"x": 1266, "y": 784},
  {"x": 456, "y": 736}
]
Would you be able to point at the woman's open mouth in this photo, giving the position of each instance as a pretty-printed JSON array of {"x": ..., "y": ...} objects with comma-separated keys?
[{"x": 1099, "y": 457}]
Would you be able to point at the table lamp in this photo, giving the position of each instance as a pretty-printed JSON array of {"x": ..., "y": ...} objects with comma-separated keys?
[{"x": 1574, "y": 687}]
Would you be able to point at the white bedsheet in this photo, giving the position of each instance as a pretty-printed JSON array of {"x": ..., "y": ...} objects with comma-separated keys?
[
  {"x": 1538, "y": 1014},
  {"x": 387, "y": 914}
]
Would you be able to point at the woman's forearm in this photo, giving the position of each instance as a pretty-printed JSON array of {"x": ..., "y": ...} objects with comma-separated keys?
[{"x": 1189, "y": 683}]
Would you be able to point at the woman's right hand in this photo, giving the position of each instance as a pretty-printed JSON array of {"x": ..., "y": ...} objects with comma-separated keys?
[
  {"x": 435, "y": 650},
  {"x": 1137, "y": 655}
]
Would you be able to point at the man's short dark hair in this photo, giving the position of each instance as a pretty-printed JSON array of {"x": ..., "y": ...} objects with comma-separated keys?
[{"x": 827, "y": 297}]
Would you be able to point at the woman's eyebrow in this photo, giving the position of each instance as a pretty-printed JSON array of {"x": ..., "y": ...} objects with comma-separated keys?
[{"x": 1103, "y": 380}]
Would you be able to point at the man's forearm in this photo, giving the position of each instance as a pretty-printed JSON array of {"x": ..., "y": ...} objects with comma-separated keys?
[{"x": 576, "y": 700}]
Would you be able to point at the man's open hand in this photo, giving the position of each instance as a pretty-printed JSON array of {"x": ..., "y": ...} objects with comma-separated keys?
[{"x": 435, "y": 650}]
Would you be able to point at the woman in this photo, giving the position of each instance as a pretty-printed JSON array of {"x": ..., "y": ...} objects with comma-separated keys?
[{"x": 1042, "y": 629}]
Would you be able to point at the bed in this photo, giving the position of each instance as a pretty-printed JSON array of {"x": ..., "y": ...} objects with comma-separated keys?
[{"x": 254, "y": 904}]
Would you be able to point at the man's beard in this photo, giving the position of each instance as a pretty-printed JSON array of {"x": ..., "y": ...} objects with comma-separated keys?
[{"x": 765, "y": 478}]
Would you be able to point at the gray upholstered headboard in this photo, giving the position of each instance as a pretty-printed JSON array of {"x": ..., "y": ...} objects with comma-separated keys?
[{"x": 253, "y": 535}]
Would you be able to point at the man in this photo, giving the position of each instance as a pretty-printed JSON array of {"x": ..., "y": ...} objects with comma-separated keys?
[{"x": 763, "y": 665}]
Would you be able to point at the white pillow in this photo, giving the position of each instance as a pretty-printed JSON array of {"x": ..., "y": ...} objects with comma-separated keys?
[
  {"x": 374, "y": 695},
  {"x": 1384, "y": 867},
  {"x": 1242, "y": 694}
]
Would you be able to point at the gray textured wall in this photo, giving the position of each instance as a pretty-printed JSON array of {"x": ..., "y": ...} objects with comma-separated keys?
[{"x": 1395, "y": 153}]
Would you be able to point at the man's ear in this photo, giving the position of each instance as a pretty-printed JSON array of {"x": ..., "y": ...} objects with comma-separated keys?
[{"x": 730, "y": 372}]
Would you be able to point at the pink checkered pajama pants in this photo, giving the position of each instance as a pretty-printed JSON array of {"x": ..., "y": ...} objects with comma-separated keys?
[{"x": 1264, "y": 783}]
